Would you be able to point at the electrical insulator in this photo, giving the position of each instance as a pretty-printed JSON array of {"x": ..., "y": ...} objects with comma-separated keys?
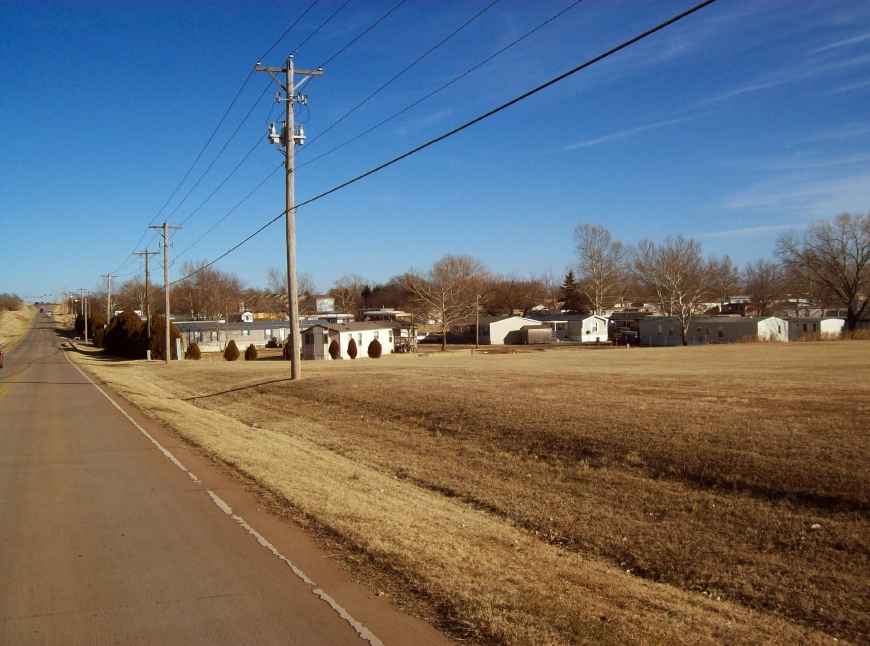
[{"x": 299, "y": 135}]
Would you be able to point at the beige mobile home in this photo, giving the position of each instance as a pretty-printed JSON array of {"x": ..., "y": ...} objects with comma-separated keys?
[{"x": 665, "y": 330}]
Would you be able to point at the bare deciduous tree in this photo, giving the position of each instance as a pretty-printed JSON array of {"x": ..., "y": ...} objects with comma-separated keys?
[
  {"x": 676, "y": 275},
  {"x": 276, "y": 286},
  {"x": 602, "y": 264},
  {"x": 131, "y": 294},
  {"x": 448, "y": 291},
  {"x": 726, "y": 281},
  {"x": 764, "y": 282},
  {"x": 347, "y": 292},
  {"x": 835, "y": 254},
  {"x": 804, "y": 286},
  {"x": 511, "y": 293}
]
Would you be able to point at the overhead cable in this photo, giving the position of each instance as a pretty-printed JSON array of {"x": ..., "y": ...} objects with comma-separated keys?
[
  {"x": 446, "y": 85},
  {"x": 486, "y": 115},
  {"x": 432, "y": 49}
]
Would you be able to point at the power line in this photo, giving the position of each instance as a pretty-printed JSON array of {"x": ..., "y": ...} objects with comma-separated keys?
[
  {"x": 255, "y": 189},
  {"x": 213, "y": 161},
  {"x": 360, "y": 35},
  {"x": 446, "y": 85},
  {"x": 214, "y": 132},
  {"x": 367, "y": 30},
  {"x": 323, "y": 24},
  {"x": 468, "y": 124},
  {"x": 281, "y": 37},
  {"x": 373, "y": 94}
]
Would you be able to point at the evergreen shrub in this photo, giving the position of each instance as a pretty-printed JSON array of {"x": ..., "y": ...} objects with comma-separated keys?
[
  {"x": 375, "y": 349},
  {"x": 251, "y": 353},
  {"x": 232, "y": 351},
  {"x": 334, "y": 350},
  {"x": 193, "y": 352},
  {"x": 351, "y": 349}
]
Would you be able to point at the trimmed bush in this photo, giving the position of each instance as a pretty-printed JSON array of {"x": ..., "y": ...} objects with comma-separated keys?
[
  {"x": 158, "y": 334},
  {"x": 272, "y": 343},
  {"x": 232, "y": 352},
  {"x": 79, "y": 324},
  {"x": 375, "y": 349},
  {"x": 99, "y": 336},
  {"x": 251, "y": 353},
  {"x": 351, "y": 348},
  {"x": 334, "y": 350},
  {"x": 193, "y": 353},
  {"x": 123, "y": 337}
]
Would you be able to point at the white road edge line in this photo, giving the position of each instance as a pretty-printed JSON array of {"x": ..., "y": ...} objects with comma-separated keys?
[
  {"x": 361, "y": 630},
  {"x": 133, "y": 422}
]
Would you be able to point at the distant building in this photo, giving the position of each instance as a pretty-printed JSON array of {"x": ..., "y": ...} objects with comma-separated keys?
[
  {"x": 317, "y": 338},
  {"x": 586, "y": 328},
  {"x": 665, "y": 330},
  {"x": 815, "y": 326}
]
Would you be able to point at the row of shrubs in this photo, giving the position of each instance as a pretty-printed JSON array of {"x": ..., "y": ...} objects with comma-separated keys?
[
  {"x": 126, "y": 335},
  {"x": 231, "y": 353}
]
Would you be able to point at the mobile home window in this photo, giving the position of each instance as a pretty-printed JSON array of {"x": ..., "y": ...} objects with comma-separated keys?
[
  {"x": 376, "y": 334},
  {"x": 359, "y": 339},
  {"x": 594, "y": 326}
]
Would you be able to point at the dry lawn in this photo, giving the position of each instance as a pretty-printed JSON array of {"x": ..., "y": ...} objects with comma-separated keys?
[
  {"x": 713, "y": 494},
  {"x": 15, "y": 324}
]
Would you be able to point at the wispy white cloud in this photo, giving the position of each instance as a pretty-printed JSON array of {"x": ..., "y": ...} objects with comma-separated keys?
[
  {"x": 843, "y": 43},
  {"x": 847, "y": 131},
  {"x": 851, "y": 86},
  {"x": 619, "y": 135},
  {"x": 805, "y": 194},
  {"x": 734, "y": 233}
]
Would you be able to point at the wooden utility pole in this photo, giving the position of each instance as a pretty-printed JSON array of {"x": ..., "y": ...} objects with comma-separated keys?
[
  {"x": 145, "y": 254},
  {"x": 108, "y": 278},
  {"x": 290, "y": 137},
  {"x": 165, "y": 228}
]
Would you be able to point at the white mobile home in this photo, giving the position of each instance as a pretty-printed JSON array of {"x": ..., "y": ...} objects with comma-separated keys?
[
  {"x": 665, "y": 330},
  {"x": 586, "y": 328},
  {"x": 317, "y": 338},
  {"x": 815, "y": 326},
  {"x": 503, "y": 330}
]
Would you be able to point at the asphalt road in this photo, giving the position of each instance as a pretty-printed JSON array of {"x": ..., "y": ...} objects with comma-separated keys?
[{"x": 106, "y": 540}]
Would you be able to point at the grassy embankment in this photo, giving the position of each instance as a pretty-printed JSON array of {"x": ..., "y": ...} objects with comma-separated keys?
[
  {"x": 683, "y": 495},
  {"x": 14, "y": 324}
]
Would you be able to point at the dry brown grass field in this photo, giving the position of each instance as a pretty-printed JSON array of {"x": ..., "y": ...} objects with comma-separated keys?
[
  {"x": 15, "y": 324},
  {"x": 715, "y": 494}
]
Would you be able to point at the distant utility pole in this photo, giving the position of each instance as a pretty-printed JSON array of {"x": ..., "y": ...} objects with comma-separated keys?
[
  {"x": 108, "y": 278},
  {"x": 290, "y": 137},
  {"x": 147, "y": 253},
  {"x": 84, "y": 294},
  {"x": 165, "y": 227}
]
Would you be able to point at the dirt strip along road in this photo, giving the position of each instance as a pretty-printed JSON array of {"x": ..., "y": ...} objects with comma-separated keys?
[{"x": 104, "y": 539}]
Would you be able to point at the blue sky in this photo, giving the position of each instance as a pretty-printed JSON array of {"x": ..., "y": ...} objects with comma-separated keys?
[{"x": 740, "y": 122}]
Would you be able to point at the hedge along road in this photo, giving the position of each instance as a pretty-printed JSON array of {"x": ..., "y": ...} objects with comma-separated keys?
[{"x": 112, "y": 531}]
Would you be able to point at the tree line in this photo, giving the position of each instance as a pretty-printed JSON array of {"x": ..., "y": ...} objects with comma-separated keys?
[{"x": 826, "y": 263}]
